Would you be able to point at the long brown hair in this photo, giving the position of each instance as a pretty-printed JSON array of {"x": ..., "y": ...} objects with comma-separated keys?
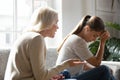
[{"x": 94, "y": 22}]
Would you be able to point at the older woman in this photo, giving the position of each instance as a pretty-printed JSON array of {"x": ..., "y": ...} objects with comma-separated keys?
[{"x": 28, "y": 54}]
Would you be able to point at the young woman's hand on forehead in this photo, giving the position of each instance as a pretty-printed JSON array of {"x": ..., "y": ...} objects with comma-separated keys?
[{"x": 104, "y": 36}]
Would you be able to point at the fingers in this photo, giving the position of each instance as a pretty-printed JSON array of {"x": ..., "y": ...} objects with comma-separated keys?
[
  {"x": 78, "y": 60},
  {"x": 105, "y": 35},
  {"x": 57, "y": 77},
  {"x": 75, "y": 59},
  {"x": 75, "y": 62}
]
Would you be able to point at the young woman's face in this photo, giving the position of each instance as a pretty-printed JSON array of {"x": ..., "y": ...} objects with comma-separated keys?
[{"x": 90, "y": 35}]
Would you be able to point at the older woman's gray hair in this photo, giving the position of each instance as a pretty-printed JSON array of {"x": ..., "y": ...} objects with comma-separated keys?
[{"x": 43, "y": 18}]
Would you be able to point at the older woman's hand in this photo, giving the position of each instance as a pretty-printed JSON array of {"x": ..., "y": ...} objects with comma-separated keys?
[
  {"x": 58, "y": 77},
  {"x": 74, "y": 62}
]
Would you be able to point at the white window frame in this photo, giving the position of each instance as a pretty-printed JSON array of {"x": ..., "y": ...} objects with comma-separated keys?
[{"x": 15, "y": 24}]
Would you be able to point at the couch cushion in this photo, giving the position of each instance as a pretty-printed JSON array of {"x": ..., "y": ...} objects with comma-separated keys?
[
  {"x": 3, "y": 62},
  {"x": 51, "y": 57}
]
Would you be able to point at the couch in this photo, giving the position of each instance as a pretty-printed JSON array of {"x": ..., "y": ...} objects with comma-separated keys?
[{"x": 51, "y": 58}]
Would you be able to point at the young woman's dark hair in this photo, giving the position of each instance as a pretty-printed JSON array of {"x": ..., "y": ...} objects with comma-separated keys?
[{"x": 95, "y": 23}]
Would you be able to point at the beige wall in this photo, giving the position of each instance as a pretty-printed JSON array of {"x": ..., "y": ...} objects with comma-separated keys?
[
  {"x": 103, "y": 9},
  {"x": 74, "y": 10}
]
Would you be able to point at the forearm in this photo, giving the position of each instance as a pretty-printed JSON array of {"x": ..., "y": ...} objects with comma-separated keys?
[
  {"x": 96, "y": 60},
  {"x": 100, "y": 52},
  {"x": 55, "y": 71},
  {"x": 41, "y": 73}
]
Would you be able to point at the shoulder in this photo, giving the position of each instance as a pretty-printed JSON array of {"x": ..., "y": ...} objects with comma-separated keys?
[
  {"x": 77, "y": 42},
  {"x": 36, "y": 37},
  {"x": 76, "y": 39},
  {"x": 33, "y": 35},
  {"x": 35, "y": 40},
  {"x": 30, "y": 37}
]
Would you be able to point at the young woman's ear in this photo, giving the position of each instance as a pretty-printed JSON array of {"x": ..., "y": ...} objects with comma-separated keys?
[{"x": 87, "y": 28}]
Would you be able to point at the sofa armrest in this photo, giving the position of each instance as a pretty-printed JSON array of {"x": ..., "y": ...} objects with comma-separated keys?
[
  {"x": 3, "y": 62},
  {"x": 112, "y": 65},
  {"x": 115, "y": 66}
]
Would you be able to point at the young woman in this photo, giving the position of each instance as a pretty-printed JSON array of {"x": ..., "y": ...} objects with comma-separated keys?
[
  {"x": 75, "y": 46},
  {"x": 27, "y": 57}
]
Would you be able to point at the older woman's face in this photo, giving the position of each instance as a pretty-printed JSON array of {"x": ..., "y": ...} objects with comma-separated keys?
[{"x": 53, "y": 29}]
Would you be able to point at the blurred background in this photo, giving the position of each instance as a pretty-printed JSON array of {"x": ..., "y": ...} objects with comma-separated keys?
[{"x": 15, "y": 16}]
